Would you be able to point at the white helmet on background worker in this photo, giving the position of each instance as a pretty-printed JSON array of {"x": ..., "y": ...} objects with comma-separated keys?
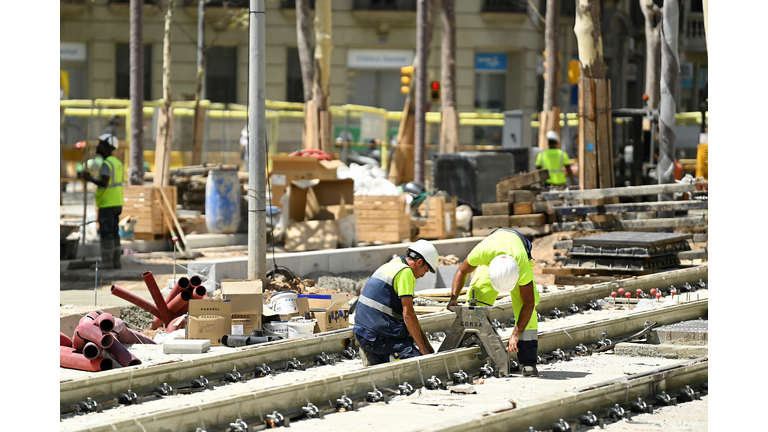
[
  {"x": 553, "y": 136},
  {"x": 423, "y": 249},
  {"x": 504, "y": 273},
  {"x": 110, "y": 139}
]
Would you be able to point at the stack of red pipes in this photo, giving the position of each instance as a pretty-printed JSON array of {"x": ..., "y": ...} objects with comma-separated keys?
[
  {"x": 97, "y": 344},
  {"x": 168, "y": 311}
]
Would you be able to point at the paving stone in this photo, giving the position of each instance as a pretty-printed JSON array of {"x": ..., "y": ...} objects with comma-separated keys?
[{"x": 186, "y": 346}]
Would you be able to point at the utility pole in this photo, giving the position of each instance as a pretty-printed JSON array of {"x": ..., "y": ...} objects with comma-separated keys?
[
  {"x": 422, "y": 54},
  {"x": 257, "y": 152},
  {"x": 136, "y": 71},
  {"x": 197, "y": 125}
]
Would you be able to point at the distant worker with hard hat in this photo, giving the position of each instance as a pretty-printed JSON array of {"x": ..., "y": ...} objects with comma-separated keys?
[
  {"x": 386, "y": 326},
  {"x": 109, "y": 200},
  {"x": 502, "y": 262},
  {"x": 555, "y": 161}
]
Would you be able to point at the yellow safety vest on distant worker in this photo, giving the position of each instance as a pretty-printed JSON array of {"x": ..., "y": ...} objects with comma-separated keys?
[
  {"x": 112, "y": 194},
  {"x": 554, "y": 160}
]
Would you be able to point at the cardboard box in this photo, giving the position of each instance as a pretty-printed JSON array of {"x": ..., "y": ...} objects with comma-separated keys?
[
  {"x": 286, "y": 169},
  {"x": 209, "y": 319},
  {"x": 330, "y": 310},
  {"x": 244, "y": 324},
  {"x": 241, "y": 286},
  {"x": 245, "y": 295},
  {"x": 314, "y": 208}
]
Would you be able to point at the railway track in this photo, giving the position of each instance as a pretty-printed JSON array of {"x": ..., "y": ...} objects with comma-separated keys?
[{"x": 296, "y": 379}]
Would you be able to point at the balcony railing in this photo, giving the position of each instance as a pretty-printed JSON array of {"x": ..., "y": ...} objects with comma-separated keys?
[{"x": 693, "y": 32}]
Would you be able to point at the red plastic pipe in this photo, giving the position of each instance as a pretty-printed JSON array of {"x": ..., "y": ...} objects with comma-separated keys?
[
  {"x": 85, "y": 333},
  {"x": 122, "y": 355},
  {"x": 178, "y": 307},
  {"x": 70, "y": 359},
  {"x": 135, "y": 299},
  {"x": 64, "y": 340},
  {"x": 199, "y": 292},
  {"x": 181, "y": 285},
  {"x": 195, "y": 280},
  {"x": 90, "y": 317},
  {"x": 176, "y": 324},
  {"x": 92, "y": 351},
  {"x": 105, "y": 322},
  {"x": 154, "y": 291}
]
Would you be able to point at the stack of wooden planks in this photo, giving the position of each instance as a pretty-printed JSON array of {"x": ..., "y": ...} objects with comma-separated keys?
[
  {"x": 517, "y": 206},
  {"x": 440, "y": 214},
  {"x": 382, "y": 218}
]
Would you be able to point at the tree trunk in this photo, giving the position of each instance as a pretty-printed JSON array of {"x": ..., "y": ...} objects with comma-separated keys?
[
  {"x": 303, "y": 37},
  {"x": 197, "y": 126},
  {"x": 164, "y": 131},
  {"x": 318, "y": 133},
  {"x": 595, "y": 141},
  {"x": 549, "y": 118},
  {"x": 670, "y": 71},
  {"x": 422, "y": 51},
  {"x": 136, "y": 166},
  {"x": 449, "y": 124},
  {"x": 652, "y": 15}
]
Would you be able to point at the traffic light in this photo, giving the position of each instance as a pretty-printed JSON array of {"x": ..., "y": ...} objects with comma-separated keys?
[
  {"x": 406, "y": 78},
  {"x": 573, "y": 71},
  {"x": 434, "y": 91}
]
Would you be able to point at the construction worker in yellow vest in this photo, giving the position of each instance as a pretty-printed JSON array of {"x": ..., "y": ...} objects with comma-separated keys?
[
  {"x": 555, "y": 161},
  {"x": 109, "y": 201}
]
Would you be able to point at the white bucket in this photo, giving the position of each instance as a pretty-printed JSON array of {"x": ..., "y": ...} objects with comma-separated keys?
[
  {"x": 300, "y": 327},
  {"x": 276, "y": 328},
  {"x": 284, "y": 302}
]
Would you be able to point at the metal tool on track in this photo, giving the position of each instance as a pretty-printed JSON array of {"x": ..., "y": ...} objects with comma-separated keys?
[{"x": 472, "y": 327}]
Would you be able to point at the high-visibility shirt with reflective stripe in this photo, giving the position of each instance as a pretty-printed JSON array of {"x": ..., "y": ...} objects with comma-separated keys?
[
  {"x": 481, "y": 289},
  {"x": 379, "y": 308},
  {"x": 554, "y": 160},
  {"x": 112, "y": 194}
]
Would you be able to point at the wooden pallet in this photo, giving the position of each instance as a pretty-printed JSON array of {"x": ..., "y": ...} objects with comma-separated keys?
[
  {"x": 382, "y": 218},
  {"x": 441, "y": 220},
  {"x": 141, "y": 203}
]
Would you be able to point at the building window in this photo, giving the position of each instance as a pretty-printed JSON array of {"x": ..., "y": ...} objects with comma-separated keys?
[
  {"x": 291, "y": 4},
  {"x": 123, "y": 71},
  {"x": 490, "y": 93},
  {"x": 294, "y": 83},
  {"x": 513, "y": 6},
  {"x": 221, "y": 74},
  {"x": 401, "y": 5}
]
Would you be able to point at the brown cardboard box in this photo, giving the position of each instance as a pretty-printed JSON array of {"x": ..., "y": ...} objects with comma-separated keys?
[
  {"x": 286, "y": 169},
  {"x": 245, "y": 295},
  {"x": 244, "y": 324},
  {"x": 315, "y": 206},
  {"x": 209, "y": 319},
  {"x": 241, "y": 286},
  {"x": 330, "y": 310}
]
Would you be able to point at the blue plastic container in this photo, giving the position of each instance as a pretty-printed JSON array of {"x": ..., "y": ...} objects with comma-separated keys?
[{"x": 222, "y": 202}]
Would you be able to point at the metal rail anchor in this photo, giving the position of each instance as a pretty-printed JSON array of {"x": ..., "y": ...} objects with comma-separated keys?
[{"x": 471, "y": 327}]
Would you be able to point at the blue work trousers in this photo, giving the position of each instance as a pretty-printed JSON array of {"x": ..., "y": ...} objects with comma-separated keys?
[{"x": 380, "y": 347}]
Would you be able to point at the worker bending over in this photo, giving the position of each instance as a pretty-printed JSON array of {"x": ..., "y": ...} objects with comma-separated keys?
[
  {"x": 386, "y": 326},
  {"x": 109, "y": 200},
  {"x": 555, "y": 161},
  {"x": 502, "y": 262}
]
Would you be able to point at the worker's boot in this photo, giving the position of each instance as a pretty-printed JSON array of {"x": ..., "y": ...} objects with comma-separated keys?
[
  {"x": 364, "y": 357},
  {"x": 117, "y": 253},
  {"x": 530, "y": 371}
]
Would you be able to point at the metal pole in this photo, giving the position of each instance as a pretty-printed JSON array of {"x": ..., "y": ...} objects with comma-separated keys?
[
  {"x": 421, "y": 90},
  {"x": 201, "y": 41},
  {"x": 257, "y": 157}
]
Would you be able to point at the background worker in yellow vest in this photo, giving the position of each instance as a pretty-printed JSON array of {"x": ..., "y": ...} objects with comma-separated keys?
[
  {"x": 386, "y": 326},
  {"x": 555, "y": 161},
  {"x": 502, "y": 262},
  {"x": 109, "y": 200}
]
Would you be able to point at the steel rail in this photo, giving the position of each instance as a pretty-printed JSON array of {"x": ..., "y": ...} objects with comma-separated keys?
[
  {"x": 592, "y": 398},
  {"x": 109, "y": 384},
  {"x": 253, "y": 404}
]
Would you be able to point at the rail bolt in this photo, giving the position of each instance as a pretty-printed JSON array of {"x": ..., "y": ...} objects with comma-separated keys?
[
  {"x": 348, "y": 353},
  {"x": 238, "y": 426},
  {"x": 311, "y": 411},
  {"x": 486, "y": 370},
  {"x": 163, "y": 390},
  {"x": 87, "y": 406},
  {"x": 201, "y": 382},
  {"x": 322, "y": 359},
  {"x": 685, "y": 394},
  {"x": 374, "y": 396},
  {"x": 573, "y": 308},
  {"x": 560, "y": 426},
  {"x": 460, "y": 377},
  {"x": 344, "y": 403},
  {"x": 663, "y": 399},
  {"x": 262, "y": 371},
  {"x": 128, "y": 398},
  {"x": 616, "y": 413},
  {"x": 433, "y": 383},
  {"x": 589, "y": 419},
  {"x": 405, "y": 389},
  {"x": 638, "y": 406}
]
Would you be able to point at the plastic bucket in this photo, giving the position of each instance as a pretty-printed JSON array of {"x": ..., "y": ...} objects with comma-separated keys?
[
  {"x": 300, "y": 327},
  {"x": 276, "y": 328},
  {"x": 284, "y": 302},
  {"x": 222, "y": 202}
]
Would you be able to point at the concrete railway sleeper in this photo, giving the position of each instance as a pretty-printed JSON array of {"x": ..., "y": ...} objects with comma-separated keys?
[
  {"x": 106, "y": 388},
  {"x": 376, "y": 384}
]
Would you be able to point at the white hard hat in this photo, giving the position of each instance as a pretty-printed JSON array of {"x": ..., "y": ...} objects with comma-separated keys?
[
  {"x": 425, "y": 250},
  {"x": 552, "y": 135},
  {"x": 109, "y": 139},
  {"x": 504, "y": 273}
]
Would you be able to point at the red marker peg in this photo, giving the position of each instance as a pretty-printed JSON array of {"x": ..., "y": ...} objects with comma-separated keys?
[
  {"x": 639, "y": 292},
  {"x": 175, "y": 239},
  {"x": 613, "y": 294},
  {"x": 621, "y": 291},
  {"x": 658, "y": 296},
  {"x": 653, "y": 291},
  {"x": 628, "y": 294}
]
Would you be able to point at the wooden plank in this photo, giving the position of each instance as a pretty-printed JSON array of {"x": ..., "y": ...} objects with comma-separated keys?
[
  {"x": 581, "y": 280},
  {"x": 626, "y": 191},
  {"x": 603, "y": 133},
  {"x": 163, "y": 146},
  {"x": 519, "y": 181},
  {"x": 391, "y": 213},
  {"x": 490, "y": 222},
  {"x": 382, "y": 227},
  {"x": 379, "y": 206},
  {"x": 494, "y": 209},
  {"x": 382, "y": 237},
  {"x": 603, "y": 218},
  {"x": 542, "y": 206},
  {"x": 527, "y": 220},
  {"x": 597, "y": 272},
  {"x": 522, "y": 208},
  {"x": 171, "y": 213},
  {"x": 587, "y": 134},
  {"x": 523, "y": 195}
]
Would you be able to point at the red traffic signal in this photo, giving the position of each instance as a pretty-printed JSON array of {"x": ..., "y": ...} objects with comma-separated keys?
[{"x": 434, "y": 94}]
